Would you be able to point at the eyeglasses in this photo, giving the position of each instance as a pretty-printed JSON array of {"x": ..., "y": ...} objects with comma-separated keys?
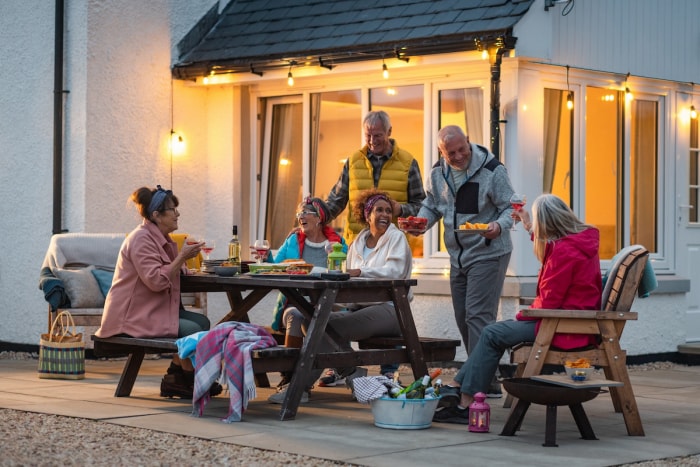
[
  {"x": 303, "y": 213},
  {"x": 171, "y": 209}
]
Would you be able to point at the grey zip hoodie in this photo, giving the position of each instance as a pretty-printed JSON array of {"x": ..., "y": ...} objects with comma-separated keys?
[{"x": 483, "y": 198}]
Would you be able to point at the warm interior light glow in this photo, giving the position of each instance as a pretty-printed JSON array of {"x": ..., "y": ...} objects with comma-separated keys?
[
  {"x": 484, "y": 54},
  {"x": 570, "y": 101},
  {"x": 608, "y": 98},
  {"x": 391, "y": 91},
  {"x": 285, "y": 162},
  {"x": 693, "y": 112},
  {"x": 385, "y": 71},
  {"x": 628, "y": 95},
  {"x": 290, "y": 79},
  {"x": 177, "y": 144}
]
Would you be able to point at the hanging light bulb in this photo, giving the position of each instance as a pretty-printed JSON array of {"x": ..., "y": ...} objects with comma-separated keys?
[
  {"x": 290, "y": 78},
  {"x": 177, "y": 144},
  {"x": 385, "y": 70},
  {"x": 693, "y": 112},
  {"x": 484, "y": 54},
  {"x": 569, "y": 94}
]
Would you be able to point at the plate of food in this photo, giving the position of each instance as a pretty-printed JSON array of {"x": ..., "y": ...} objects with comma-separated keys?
[{"x": 468, "y": 227}]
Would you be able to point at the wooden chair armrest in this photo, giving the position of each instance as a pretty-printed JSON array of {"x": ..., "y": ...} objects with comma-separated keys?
[{"x": 580, "y": 314}]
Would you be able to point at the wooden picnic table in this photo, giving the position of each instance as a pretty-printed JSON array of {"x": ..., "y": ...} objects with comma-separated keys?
[{"x": 315, "y": 298}]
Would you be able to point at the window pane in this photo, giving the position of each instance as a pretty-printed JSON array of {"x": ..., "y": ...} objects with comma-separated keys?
[
  {"x": 643, "y": 174},
  {"x": 404, "y": 104},
  {"x": 558, "y": 140},
  {"x": 464, "y": 108},
  {"x": 336, "y": 120},
  {"x": 603, "y": 167},
  {"x": 285, "y": 176}
]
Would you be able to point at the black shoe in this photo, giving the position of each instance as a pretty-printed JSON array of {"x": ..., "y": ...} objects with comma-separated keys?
[
  {"x": 452, "y": 415},
  {"x": 286, "y": 379},
  {"x": 174, "y": 385},
  {"x": 449, "y": 396}
]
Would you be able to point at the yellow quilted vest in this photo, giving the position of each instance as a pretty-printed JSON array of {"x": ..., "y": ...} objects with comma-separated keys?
[{"x": 393, "y": 180}]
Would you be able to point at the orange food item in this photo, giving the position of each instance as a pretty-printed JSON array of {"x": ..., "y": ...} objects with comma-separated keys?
[
  {"x": 580, "y": 363},
  {"x": 477, "y": 226}
]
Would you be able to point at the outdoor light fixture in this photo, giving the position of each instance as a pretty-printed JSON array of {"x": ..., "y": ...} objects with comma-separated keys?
[
  {"x": 385, "y": 70},
  {"x": 254, "y": 71},
  {"x": 177, "y": 144},
  {"x": 693, "y": 112},
  {"x": 290, "y": 78},
  {"x": 569, "y": 94}
]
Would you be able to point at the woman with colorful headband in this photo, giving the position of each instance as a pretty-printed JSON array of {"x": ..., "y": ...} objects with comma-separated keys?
[
  {"x": 380, "y": 250},
  {"x": 310, "y": 242}
]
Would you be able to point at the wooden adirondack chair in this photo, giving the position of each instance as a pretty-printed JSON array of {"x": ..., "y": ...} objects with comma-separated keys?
[{"x": 618, "y": 294}]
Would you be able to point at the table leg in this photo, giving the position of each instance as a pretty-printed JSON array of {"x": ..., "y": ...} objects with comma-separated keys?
[
  {"x": 307, "y": 354},
  {"x": 550, "y": 430},
  {"x": 408, "y": 331}
]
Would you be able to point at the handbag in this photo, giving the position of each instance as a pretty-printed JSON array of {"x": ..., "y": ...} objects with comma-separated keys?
[{"x": 62, "y": 350}]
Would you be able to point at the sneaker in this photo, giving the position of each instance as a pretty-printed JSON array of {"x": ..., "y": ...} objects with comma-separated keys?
[
  {"x": 449, "y": 396},
  {"x": 454, "y": 414},
  {"x": 278, "y": 397},
  {"x": 358, "y": 373},
  {"x": 331, "y": 379},
  {"x": 494, "y": 391}
]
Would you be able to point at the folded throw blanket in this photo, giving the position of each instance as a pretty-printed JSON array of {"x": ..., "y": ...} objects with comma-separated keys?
[
  {"x": 54, "y": 291},
  {"x": 232, "y": 342}
]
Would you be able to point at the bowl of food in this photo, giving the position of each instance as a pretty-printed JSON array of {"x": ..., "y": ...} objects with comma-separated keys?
[
  {"x": 226, "y": 271},
  {"x": 412, "y": 224},
  {"x": 578, "y": 370}
]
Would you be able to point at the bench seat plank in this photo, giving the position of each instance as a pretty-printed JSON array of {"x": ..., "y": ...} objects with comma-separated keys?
[{"x": 374, "y": 351}]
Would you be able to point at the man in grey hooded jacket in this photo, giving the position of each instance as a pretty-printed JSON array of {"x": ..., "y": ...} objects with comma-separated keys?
[{"x": 468, "y": 184}]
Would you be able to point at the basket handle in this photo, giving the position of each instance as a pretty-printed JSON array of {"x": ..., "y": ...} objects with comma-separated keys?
[{"x": 63, "y": 331}]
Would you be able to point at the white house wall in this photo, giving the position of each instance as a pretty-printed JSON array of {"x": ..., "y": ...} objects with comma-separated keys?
[{"x": 642, "y": 37}]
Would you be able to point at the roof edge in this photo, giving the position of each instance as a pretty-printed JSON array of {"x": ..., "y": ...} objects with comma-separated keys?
[{"x": 198, "y": 31}]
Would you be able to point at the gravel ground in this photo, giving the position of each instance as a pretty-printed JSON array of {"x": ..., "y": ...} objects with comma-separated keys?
[{"x": 47, "y": 440}]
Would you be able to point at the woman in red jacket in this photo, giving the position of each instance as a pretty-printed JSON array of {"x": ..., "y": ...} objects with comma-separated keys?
[{"x": 569, "y": 279}]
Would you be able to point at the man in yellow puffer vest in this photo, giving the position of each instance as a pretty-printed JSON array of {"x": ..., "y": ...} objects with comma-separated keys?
[{"x": 379, "y": 164}]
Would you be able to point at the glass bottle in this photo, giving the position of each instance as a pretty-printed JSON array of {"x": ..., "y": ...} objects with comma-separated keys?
[{"x": 234, "y": 249}]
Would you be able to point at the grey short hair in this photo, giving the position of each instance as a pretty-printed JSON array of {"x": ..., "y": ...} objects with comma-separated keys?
[{"x": 377, "y": 116}]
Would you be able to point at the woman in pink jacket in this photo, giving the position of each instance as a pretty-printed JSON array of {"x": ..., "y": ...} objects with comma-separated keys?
[
  {"x": 144, "y": 300},
  {"x": 569, "y": 279}
]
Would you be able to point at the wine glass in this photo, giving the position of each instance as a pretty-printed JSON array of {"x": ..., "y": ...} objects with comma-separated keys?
[
  {"x": 518, "y": 200},
  {"x": 261, "y": 248},
  {"x": 208, "y": 247}
]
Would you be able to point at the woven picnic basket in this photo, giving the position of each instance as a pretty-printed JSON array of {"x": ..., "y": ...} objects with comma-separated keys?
[{"x": 62, "y": 350}]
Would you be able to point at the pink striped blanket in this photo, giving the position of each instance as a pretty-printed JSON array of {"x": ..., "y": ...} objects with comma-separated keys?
[{"x": 230, "y": 342}]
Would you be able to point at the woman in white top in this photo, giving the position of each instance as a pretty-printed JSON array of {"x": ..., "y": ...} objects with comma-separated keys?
[{"x": 380, "y": 250}]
